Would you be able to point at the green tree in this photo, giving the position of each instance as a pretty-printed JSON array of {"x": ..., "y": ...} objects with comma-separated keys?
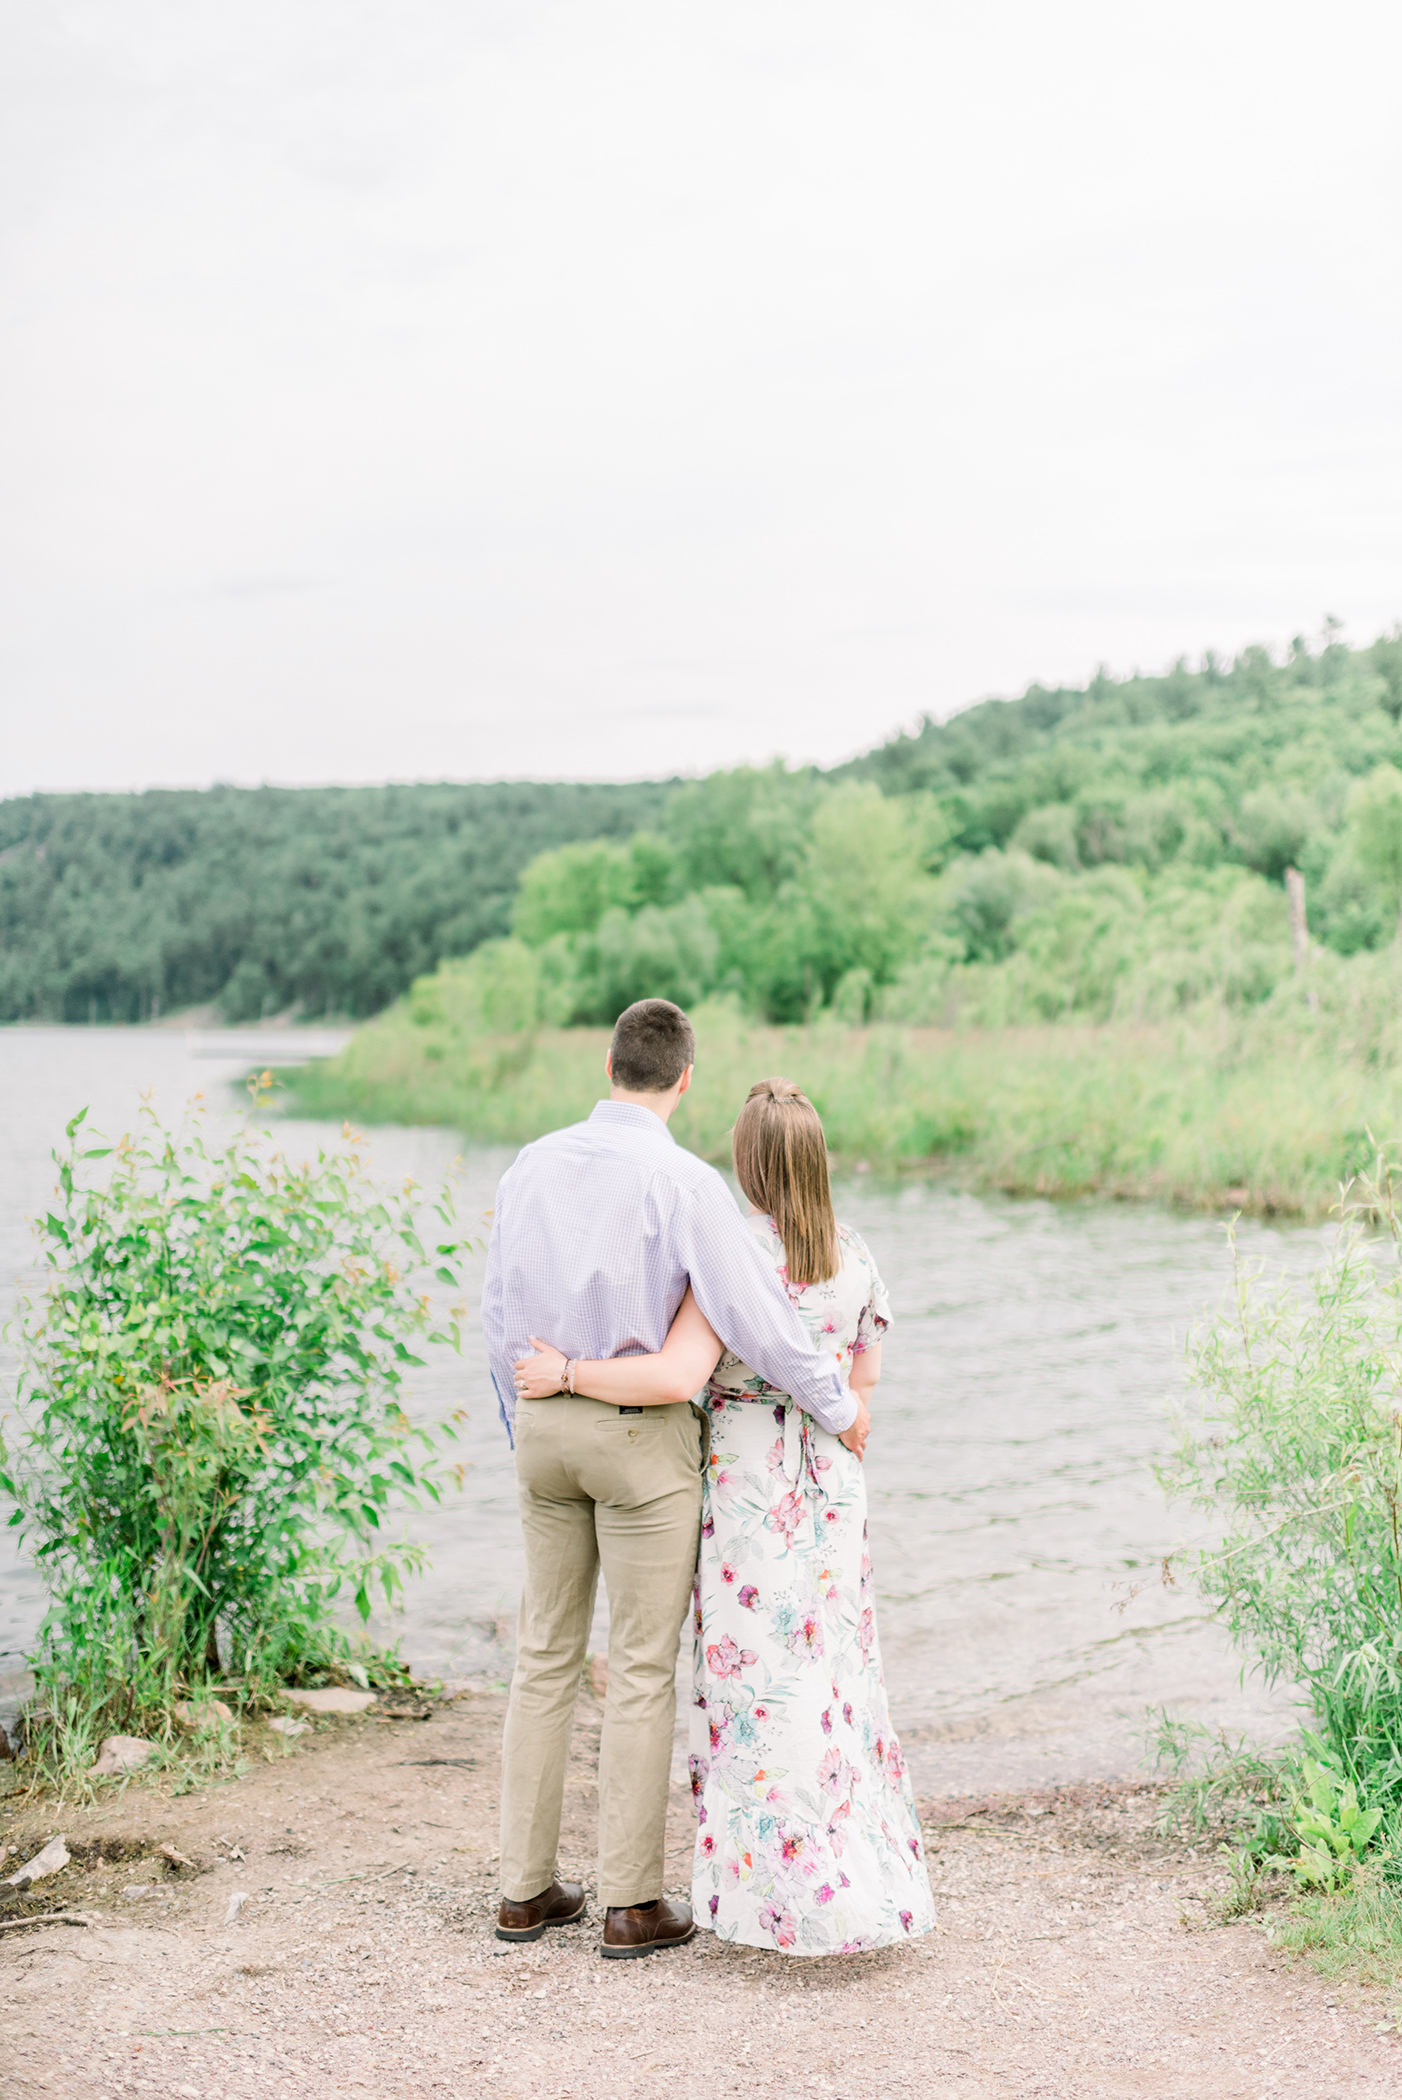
[
  {"x": 569, "y": 889},
  {"x": 1375, "y": 824},
  {"x": 748, "y": 828}
]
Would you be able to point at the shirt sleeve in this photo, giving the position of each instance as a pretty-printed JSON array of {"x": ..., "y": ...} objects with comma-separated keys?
[
  {"x": 494, "y": 1316},
  {"x": 738, "y": 1291}
]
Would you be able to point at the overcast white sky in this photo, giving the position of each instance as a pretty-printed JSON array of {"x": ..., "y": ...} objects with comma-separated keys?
[{"x": 418, "y": 389}]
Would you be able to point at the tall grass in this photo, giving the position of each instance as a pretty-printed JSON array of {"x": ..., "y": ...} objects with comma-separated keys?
[{"x": 1205, "y": 1112}]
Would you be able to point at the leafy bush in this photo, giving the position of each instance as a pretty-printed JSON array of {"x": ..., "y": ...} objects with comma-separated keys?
[
  {"x": 1300, "y": 1464},
  {"x": 211, "y": 1425}
]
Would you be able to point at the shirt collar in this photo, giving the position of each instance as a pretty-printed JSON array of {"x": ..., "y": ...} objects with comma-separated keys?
[{"x": 632, "y": 1116}]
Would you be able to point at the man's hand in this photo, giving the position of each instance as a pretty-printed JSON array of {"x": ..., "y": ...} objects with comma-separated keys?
[{"x": 855, "y": 1435}]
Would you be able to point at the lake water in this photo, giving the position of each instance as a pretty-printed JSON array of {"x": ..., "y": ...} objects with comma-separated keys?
[{"x": 1028, "y": 1379}]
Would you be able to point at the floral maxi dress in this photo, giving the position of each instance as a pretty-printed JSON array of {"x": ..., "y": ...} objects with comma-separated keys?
[{"x": 807, "y": 1838}]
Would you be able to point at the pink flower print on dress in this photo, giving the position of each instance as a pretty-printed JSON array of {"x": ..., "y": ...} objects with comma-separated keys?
[
  {"x": 907, "y": 1919},
  {"x": 895, "y": 1763},
  {"x": 708, "y": 1844},
  {"x": 825, "y": 1894},
  {"x": 835, "y": 1775},
  {"x": 715, "y": 1905},
  {"x": 727, "y": 1573},
  {"x": 847, "y": 1715},
  {"x": 791, "y": 1847},
  {"x": 726, "y": 1659},
  {"x": 807, "y": 1636},
  {"x": 774, "y": 1456},
  {"x": 866, "y": 1632},
  {"x": 748, "y": 1597},
  {"x": 832, "y": 1516},
  {"x": 775, "y": 1919},
  {"x": 827, "y": 1720},
  {"x": 786, "y": 1517}
]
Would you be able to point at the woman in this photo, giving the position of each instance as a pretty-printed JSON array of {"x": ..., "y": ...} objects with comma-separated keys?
[{"x": 807, "y": 1837}]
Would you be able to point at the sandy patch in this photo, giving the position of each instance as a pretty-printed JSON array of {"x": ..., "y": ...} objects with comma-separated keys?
[{"x": 1072, "y": 1959}]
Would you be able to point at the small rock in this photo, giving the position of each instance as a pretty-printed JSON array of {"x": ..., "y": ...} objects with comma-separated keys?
[
  {"x": 202, "y": 1713},
  {"x": 177, "y": 1859},
  {"x": 122, "y": 1753},
  {"x": 54, "y": 1856},
  {"x": 134, "y": 1890},
  {"x": 236, "y": 1903},
  {"x": 284, "y": 1725},
  {"x": 332, "y": 1699},
  {"x": 599, "y": 1676},
  {"x": 6, "y": 1747}
]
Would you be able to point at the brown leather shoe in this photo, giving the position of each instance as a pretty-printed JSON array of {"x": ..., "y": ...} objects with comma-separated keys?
[
  {"x": 560, "y": 1904},
  {"x": 630, "y": 1933}
]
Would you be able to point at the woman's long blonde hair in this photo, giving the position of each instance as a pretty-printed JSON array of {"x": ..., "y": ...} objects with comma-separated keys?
[{"x": 781, "y": 1162}]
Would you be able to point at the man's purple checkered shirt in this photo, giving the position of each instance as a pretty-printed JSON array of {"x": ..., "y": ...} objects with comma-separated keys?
[{"x": 598, "y": 1230}]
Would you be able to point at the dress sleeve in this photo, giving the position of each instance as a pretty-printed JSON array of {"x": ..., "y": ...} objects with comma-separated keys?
[{"x": 875, "y": 1316}]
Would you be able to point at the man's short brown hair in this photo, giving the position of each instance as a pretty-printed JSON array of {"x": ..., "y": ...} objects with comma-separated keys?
[{"x": 653, "y": 1043}]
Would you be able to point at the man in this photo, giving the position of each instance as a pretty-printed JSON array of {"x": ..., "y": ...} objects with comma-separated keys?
[{"x": 597, "y": 1231}]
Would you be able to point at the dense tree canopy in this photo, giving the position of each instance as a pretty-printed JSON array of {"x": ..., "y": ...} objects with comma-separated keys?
[
  {"x": 116, "y": 907},
  {"x": 1116, "y": 848}
]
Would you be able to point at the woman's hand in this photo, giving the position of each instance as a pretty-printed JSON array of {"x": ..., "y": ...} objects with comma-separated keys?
[
  {"x": 856, "y": 1434},
  {"x": 538, "y": 1376}
]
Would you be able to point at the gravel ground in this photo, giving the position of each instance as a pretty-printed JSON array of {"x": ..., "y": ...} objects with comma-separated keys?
[{"x": 1075, "y": 1957}]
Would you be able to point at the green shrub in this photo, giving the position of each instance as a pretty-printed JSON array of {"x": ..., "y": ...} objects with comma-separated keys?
[
  {"x": 1299, "y": 1462},
  {"x": 211, "y": 1432}
]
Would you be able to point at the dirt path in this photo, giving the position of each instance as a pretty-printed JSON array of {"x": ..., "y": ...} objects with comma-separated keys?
[{"x": 1072, "y": 1958}]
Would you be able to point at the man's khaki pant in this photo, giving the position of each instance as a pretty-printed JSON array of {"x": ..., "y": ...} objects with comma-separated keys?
[{"x": 622, "y": 1492}]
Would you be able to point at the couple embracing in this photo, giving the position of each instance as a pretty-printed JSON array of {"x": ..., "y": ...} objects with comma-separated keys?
[{"x": 675, "y": 1377}]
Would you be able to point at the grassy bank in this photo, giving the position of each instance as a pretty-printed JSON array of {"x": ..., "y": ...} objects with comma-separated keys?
[{"x": 1204, "y": 1115}]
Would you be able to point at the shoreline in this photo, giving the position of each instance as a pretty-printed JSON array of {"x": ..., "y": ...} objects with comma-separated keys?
[
  {"x": 1196, "y": 1119},
  {"x": 1072, "y": 1955}
]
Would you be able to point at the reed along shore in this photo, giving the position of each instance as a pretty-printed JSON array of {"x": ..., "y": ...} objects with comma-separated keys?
[{"x": 1202, "y": 1113}]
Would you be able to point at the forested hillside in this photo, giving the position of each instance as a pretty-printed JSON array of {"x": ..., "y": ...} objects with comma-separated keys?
[
  {"x": 119, "y": 907},
  {"x": 1112, "y": 850},
  {"x": 1115, "y": 849}
]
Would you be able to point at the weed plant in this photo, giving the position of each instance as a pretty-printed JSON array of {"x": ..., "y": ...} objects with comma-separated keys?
[
  {"x": 1298, "y": 1462},
  {"x": 211, "y": 1431}
]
